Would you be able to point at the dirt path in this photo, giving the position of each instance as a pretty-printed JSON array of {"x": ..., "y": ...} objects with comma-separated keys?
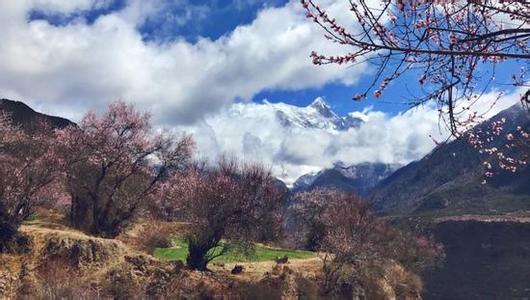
[{"x": 254, "y": 271}]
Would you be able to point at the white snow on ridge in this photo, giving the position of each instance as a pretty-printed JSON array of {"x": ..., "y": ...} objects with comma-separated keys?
[{"x": 317, "y": 115}]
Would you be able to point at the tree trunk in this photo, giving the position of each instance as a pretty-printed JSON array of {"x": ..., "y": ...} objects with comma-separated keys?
[
  {"x": 7, "y": 235},
  {"x": 12, "y": 241},
  {"x": 85, "y": 217},
  {"x": 82, "y": 214},
  {"x": 197, "y": 257}
]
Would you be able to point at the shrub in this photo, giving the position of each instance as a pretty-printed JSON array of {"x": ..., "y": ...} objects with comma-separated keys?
[
  {"x": 156, "y": 235},
  {"x": 61, "y": 281},
  {"x": 121, "y": 284}
]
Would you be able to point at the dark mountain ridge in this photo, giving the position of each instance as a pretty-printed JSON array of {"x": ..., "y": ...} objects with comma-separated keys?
[
  {"x": 358, "y": 178},
  {"x": 27, "y": 118},
  {"x": 449, "y": 179}
]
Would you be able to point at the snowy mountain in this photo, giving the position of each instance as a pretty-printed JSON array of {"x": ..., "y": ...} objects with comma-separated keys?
[
  {"x": 358, "y": 178},
  {"x": 293, "y": 140},
  {"x": 318, "y": 115}
]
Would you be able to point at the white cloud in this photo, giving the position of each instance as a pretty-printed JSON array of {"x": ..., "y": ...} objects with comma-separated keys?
[
  {"x": 70, "y": 69},
  {"x": 253, "y": 132}
]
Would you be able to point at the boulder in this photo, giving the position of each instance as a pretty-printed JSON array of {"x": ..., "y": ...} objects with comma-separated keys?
[{"x": 238, "y": 269}]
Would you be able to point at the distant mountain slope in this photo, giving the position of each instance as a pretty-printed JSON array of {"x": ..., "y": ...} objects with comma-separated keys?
[
  {"x": 26, "y": 117},
  {"x": 359, "y": 178},
  {"x": 449, "y": 180}
]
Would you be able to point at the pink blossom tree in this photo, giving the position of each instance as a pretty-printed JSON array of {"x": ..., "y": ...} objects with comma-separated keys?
[
  {"x": 114, "y": 162},
  {"x": 353, "y": 240},
  {"x": 453, "y": 47},
  {"x": 503, "y": 150},
  {"x": 28, "y": 165},
  {"x": 230, "y": 200}
]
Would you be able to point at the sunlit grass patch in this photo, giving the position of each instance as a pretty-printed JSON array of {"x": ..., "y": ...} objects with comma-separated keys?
[{"x": 259, "y": 253}]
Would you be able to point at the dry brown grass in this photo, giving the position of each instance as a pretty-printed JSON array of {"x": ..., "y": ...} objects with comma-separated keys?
[
  {"x": 149, "y": 235},
  {"x": 69, "y": 264}
]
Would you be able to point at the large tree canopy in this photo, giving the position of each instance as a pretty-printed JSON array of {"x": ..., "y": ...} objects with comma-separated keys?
[
  {"x": 113, "y": 164},
  {"x": 230, "y": 200}
]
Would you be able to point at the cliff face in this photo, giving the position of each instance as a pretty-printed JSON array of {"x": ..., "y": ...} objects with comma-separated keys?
[{"x": 484, "y": 260}]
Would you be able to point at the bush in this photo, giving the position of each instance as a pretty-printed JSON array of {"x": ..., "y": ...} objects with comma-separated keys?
[
  {"x": 156, "y": 235},
  {"x": 121, "y": 284},
  {"x": 61, "y": 281}
]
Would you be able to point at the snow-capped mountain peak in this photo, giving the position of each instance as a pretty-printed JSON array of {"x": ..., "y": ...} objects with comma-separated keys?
[
  {"x": 359, "y": 178},
  {"x": 323, "y": 108},
  {"x": 318, "y": 115}
]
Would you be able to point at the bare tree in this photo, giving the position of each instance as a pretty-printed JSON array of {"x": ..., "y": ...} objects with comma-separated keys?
[
  {"x": 113, "y": 163},
  {"x": 453, "y": 47},
  {"x": 230, "y": 200}
]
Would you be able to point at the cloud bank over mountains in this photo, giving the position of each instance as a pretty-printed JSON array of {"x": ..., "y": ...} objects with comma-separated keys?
[
  {"x": 202, "y": 86},
  {"x": 297, "y": 140},
  {"x": 73, "y": 67}
]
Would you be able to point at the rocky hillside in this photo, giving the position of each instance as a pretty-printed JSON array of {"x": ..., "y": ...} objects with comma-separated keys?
[{"x": 449, "y": 180}]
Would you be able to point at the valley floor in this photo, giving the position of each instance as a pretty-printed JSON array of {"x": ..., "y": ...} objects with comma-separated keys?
[{"x": 487, "y": 257}]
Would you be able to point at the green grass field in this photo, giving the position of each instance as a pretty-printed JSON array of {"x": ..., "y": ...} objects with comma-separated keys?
[{"x": 259, "y": 253}]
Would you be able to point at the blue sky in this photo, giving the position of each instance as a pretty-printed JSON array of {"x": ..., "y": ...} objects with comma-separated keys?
[
  {"x": 214, "y": 19},
  {"x": 219, "y": 17}
]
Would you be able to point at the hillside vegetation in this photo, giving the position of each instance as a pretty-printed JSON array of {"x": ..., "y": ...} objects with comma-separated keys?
[
  {"x": 111, "y": 208},
  {"x": 66, "y": 263},
  {"x": 450, "y": 180}
]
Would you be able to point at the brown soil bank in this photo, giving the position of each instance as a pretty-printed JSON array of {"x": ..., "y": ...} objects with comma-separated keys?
[
  {"x": 484, "y": 260},
  {"x": 67, "y": 264}
]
